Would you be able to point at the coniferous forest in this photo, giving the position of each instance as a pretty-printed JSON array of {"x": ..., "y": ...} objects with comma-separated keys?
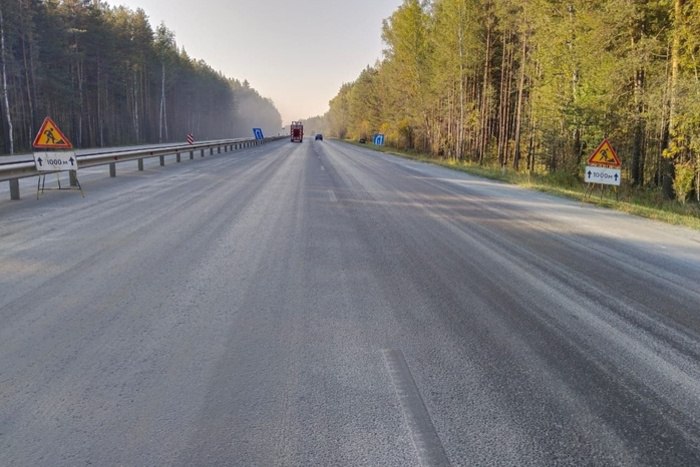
[
  {"x": 535, "y": 85},
  {"x": 108, "y": 78}
]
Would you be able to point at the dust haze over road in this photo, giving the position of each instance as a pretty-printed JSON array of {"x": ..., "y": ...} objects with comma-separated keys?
[{"x": 322, "y": 304}]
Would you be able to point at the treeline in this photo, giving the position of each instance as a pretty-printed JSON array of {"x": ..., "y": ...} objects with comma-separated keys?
[
  {"x": 314, "y": 125},
  {"x": 537, "y": 84},
  {"x": 108, "y": 78}
]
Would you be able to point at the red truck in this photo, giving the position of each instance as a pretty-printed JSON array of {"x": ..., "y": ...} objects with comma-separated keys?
[{"x": 297, "y": 132}]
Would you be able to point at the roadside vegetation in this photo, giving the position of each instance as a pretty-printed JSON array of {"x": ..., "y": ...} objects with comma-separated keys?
[
  {"x": 108, "y": 78},
  {"x": 525, "y": 91},
  {"x": 649, "y": 203}
]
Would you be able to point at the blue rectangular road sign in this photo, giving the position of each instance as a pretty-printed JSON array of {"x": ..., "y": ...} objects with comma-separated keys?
[
  {"x": 257, "y": 132},
  {"x": 379, "y": 139}
]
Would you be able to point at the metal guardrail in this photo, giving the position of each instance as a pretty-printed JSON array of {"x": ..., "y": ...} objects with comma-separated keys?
[{"x": 13, "y": 171}]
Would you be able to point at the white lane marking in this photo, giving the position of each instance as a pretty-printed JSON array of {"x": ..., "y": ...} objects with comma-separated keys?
[
  {"x": 331, "y": 195},
  {"x": 425, "y": 439}
]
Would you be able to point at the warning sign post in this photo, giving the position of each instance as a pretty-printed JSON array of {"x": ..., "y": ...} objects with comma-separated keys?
[
  {"x": 51, "y": 137},
  {"x": 604, "y": 168}
]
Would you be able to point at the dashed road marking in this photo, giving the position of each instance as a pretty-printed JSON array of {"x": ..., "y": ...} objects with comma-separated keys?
[{"x": 425, "y": 439}]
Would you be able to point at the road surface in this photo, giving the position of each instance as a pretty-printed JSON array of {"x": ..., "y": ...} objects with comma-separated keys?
[{"x": 321, "y": 304}]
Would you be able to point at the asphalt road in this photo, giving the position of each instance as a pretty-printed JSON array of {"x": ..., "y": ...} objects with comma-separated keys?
[{"x": 321, "y": 304}]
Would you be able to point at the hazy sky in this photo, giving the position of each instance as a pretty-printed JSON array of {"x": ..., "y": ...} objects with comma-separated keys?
[{"x": 296, "y": 52}]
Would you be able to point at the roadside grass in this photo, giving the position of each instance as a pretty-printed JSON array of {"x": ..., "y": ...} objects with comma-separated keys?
[{"x": 644, "y": 203}]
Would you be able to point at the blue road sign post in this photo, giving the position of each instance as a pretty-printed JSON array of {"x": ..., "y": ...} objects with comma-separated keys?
[
  {"x": 379, "y": 139},
  {"x": 258, "y": 133}
]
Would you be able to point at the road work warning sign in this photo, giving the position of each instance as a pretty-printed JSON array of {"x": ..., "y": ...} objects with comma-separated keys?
[
  {"x": 51, "y": 137},
  {"x": 605, "y": 156}
]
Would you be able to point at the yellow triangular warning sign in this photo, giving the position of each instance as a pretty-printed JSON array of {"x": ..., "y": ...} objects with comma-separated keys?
[
  {"x": 51, "y": 137},
  {"x": 605, "y": 155}
]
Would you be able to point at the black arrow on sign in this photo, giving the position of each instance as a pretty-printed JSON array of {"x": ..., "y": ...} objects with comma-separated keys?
[
  {"x": 616, "y": 177},
  {"x": 589, "y": 174},
  {"x": 40, "y": 161},
  {"x": 71, "y": 161}
]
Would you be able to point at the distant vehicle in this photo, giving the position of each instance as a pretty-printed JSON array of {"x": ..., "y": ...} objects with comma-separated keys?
[
  {"x": 297, "y": 132},
  {"x": 319, "y": 137},
  {"x": 363, "y": 140}
]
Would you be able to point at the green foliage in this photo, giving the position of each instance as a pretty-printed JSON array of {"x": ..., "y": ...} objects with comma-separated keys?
[
  {"x": 97, "y": 71},
  {"x": 535, "y": 85},
  {"x": 365, "y": 104},
  {"x": 339, "y": 113},
  {"x": 407, "y": 67},
  {"x": 683, "y": 180}
]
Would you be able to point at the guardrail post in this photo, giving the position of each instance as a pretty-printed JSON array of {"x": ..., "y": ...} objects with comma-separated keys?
[
  {"x": 112, "y": 169},
  {"x": 177, "y": 157},
  {"x": 14, "y": 189},
  {"x": 162, "y": 161},
  {"x": 211, "y": 151},
  {"x": 191, "y": 155},
  {"x": 202, "y": 152},
  {"x": 218, "y": 149},
  {"x": 141, "y": 165}
]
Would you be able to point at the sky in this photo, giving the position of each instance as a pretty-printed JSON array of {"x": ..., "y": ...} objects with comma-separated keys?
[{"x": 296, "y": 52}]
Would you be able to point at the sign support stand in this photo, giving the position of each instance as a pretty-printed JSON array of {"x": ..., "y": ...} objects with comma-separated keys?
[
  {"x": 592, "y": 186},
  {"x": 73, "y": 174}
]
